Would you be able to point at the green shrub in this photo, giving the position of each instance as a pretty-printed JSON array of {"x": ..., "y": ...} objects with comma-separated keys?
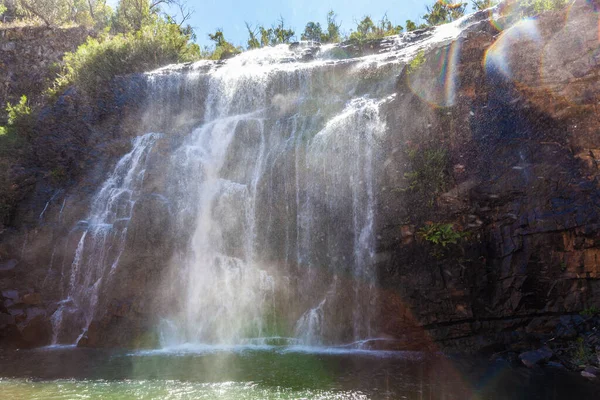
[
  {"x": 532, "y": 8},
  {"x": 428, "y": 176},
  {"x": 18, "y": 113},
  {"x": 483, "y": 4},
  {"x": 590, "y": 311},
  {"x": 441, "y": 234},
  {"x": 367, "y": 30},
  {"x": 99, "y": 60},
  {"x": 416, "y": 62},
  {"x": 580, "y": 352},
  {"x": 20, "y": 121},
  {"x": 443, "y": 12}
]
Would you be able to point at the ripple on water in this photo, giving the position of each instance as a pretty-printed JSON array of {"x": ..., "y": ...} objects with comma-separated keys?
[{"x": 159, "y": 389}]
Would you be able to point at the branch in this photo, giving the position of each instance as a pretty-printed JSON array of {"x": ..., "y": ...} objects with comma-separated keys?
[{"x": 34, "y": 12}]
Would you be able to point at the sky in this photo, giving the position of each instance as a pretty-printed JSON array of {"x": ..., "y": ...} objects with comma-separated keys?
[{"x": 230, "y": 15}]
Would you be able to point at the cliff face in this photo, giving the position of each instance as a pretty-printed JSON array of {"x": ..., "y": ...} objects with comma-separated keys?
[
  {"x": 30, "y": 57},
  {"x": 496, "y": 133},
  {"x": 522, "y": 141}
]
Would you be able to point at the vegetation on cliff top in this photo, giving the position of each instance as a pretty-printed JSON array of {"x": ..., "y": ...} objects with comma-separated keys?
[{"x": 100, "y": 59}]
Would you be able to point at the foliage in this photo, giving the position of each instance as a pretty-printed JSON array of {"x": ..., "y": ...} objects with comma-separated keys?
[
  {"x": 443, "y": 12},
  {"x": 19, "y": 121},
  {"x": 51, "y": 12},
  {"x": 281, "y": 34},
  {"x": 58, "y": 12},
  {"x": 58, "y": 174},
  {"x": 416, "y": 62},
  {"x": 277, "y": 34},
  {"x": 412, "y": 26},
  {"x": 428, "y": 176},
  {"x": 333, "y": 29},
  {"x": 253, "y": 42},
  {"x": 132, "y": 15},
  {"x": 483, "y": 4},
  {"x": 2, "y": 9},
  {"x": 19, "y": 112},
  {"x": 314, "y": 32},
  {"x": 441, "y": 234},
  {"x": 100, "y": 59},
  {"x": 581, "y": 353},
  {"x": 532, "y": 8},
  {"x": 223, "y": 48},
  {"x": 590, "y": 311},
  {"x": 367, "y": 30}
]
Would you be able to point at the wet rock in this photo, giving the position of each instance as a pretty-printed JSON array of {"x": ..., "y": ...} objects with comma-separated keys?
[
  {"x": 32, "y": 299},
  {"x": 8, "y": 268},
  {"x": 532, "y": 358},
  {"x": 11, "y": 294},
  {"x": 554, "y": 364},
  {"x": 590, "y": 374},
  {"x": 36, "y": 331},
  {"x": 6, "y": 319}
]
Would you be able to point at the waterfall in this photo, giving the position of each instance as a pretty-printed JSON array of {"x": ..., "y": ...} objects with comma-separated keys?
[
  {"x": 102, "y": 241},
  {"x": 272, "y": 186},
  {"x": 279, "y": 185}
]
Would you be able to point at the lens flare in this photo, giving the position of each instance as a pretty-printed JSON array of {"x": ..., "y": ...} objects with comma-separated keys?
[
  {"x": 436, "y": 82},
  {"x": 499, "y": 58}
]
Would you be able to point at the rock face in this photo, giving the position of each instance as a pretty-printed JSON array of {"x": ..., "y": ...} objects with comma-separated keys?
[
  {"x": 505, "y": 148},
  {"x": 30, "y": 58},
  {"x": 521, "y": 139}
]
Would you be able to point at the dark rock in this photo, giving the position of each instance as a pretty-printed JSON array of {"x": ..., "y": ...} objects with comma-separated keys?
[
  {"x": 554, "y": 364},
  {"x": 589, "y": 375},
  {"x": 32, "y": 299},
  {"x": 8, "y": 268},
  {"x": 36, "y": 331},
  {"x": 532, "y": 358}
]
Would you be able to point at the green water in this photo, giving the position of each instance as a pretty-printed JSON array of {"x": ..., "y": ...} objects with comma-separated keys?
[
  {"x": 273, "y": 373},
  {"x": 139, "y": 389}
]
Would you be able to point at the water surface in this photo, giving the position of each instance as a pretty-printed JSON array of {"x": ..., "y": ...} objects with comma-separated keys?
[{"x": 271, "y": 372}]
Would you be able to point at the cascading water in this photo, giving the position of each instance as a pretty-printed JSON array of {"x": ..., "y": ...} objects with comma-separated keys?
[
  {"x": 272, "y": 189},
  {"x": 280, "y": 183},
  {"x": 102, "y": 241}
]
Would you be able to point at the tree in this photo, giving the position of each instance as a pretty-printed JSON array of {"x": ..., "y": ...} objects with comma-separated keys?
[
  {"x": 410, "y": 26},
  {"x": 333, "y": 28},
  {"x": 223, "y": 49},
  {"x": 366, "y": 29},
  {"x": 218, "y": 37},
  {"x": 51, "y": 12},
  {"x": 253, "y": 42},
  {"x": 386, "y": 28},
  {"x": 313, "y": 32},
  {"x": 483, "y": 4},
  {"x": 443, "y": 12},
  {"x": 261, "y": 36},
  {"x": 281, "y": 34},
  {"x": 265, "y": 35},
  {"x": 363, "y": 29},
  {"x": 132, "y": 15}
]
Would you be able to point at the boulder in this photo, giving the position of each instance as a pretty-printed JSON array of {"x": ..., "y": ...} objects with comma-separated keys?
[
  {"x": 532, "y": 358},
  {"x": 36, "y": 331},
  {"x": 7, "y": 268}
]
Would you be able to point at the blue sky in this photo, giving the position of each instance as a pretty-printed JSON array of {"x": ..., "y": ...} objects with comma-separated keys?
[{"x": 231, "y": 14}]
